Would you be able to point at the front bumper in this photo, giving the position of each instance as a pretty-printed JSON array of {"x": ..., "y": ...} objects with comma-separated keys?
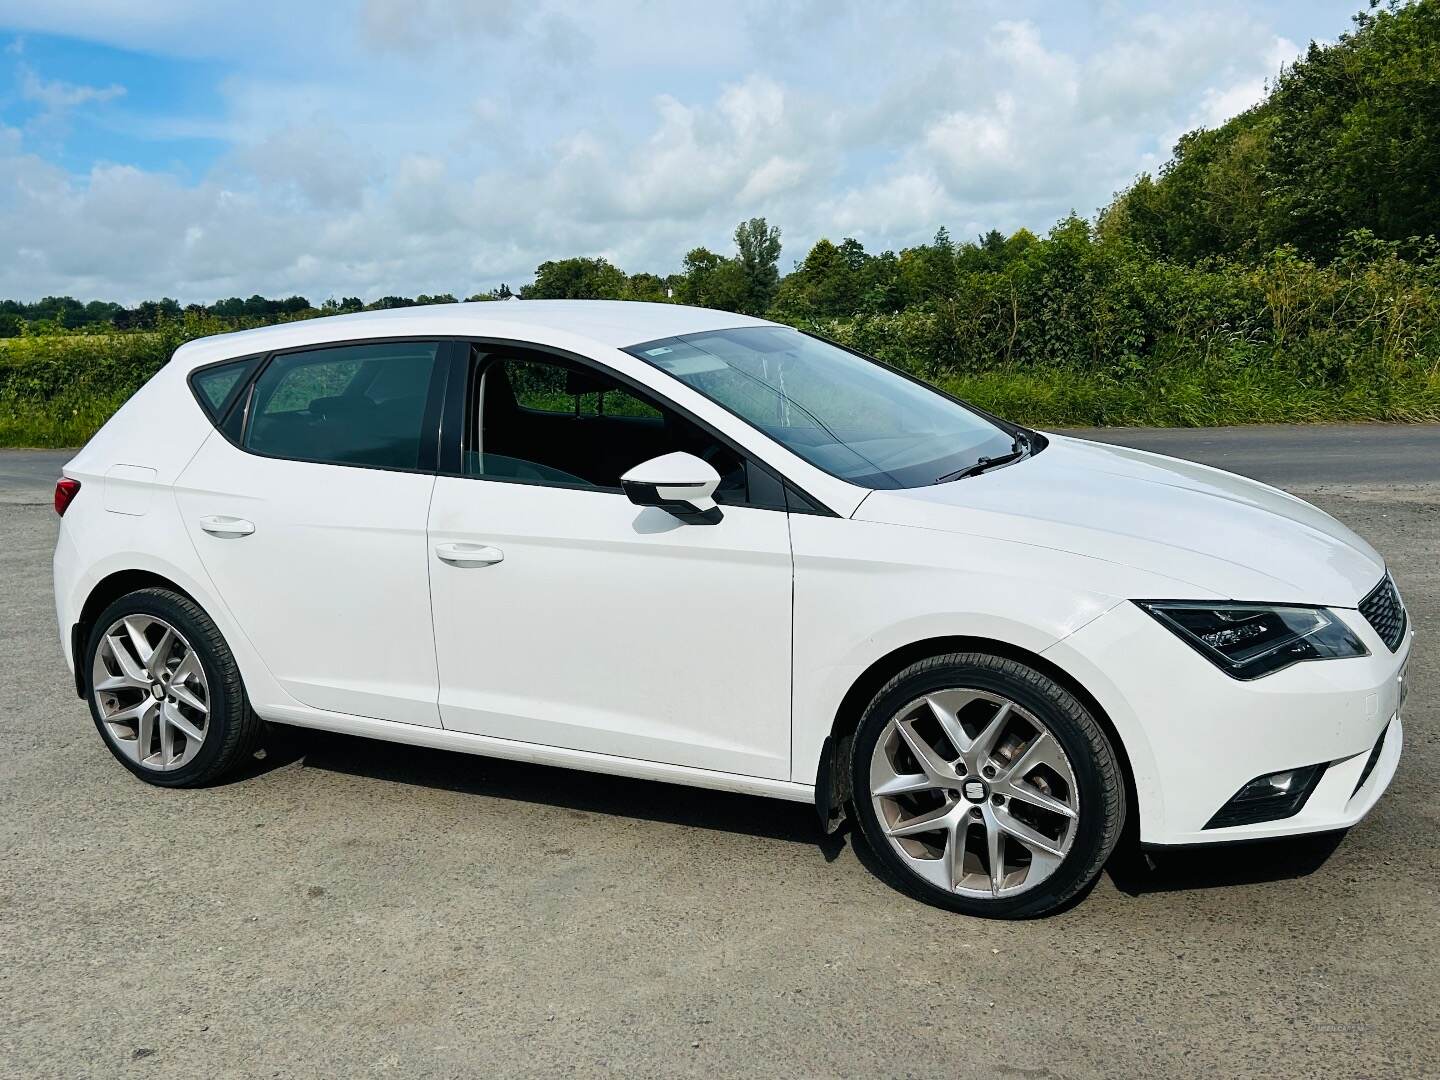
[{"x": 1194, "y": 736}]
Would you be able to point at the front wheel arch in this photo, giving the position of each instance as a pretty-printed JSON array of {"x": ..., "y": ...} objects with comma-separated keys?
[{"x": 832, "y": 794}]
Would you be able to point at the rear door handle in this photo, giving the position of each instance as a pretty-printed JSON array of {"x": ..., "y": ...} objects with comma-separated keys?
[
  {"x": 228, "y": 528},
  {"x": 469, "y": 554}
]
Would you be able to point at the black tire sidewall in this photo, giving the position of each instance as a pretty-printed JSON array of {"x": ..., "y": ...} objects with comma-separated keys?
[
  {"x": 1053, "y": 708},
  {"x": 224, "y": 696}
]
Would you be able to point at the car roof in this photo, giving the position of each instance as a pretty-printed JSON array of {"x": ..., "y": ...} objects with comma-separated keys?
[{"x": 611, "y": 323}]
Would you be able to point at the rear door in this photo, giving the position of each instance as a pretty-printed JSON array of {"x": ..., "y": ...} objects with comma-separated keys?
[
  {"x": 580, "y": 620},
  {"x": 310, "y": 519}
]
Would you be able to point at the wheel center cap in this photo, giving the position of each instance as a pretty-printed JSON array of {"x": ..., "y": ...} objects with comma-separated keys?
[
  {"x": 975, "y": 790},
  {"x": 157, "y": 691}
]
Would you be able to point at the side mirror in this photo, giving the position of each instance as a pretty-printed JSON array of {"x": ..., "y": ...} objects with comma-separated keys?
[{"x": 680, "y": 483}]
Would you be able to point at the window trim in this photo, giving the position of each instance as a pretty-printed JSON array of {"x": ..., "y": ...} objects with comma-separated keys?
[{"x": 460, "y": 391}]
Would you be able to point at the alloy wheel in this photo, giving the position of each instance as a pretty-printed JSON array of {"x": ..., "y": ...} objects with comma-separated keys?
[
  {"x": 974, "y": 793},
  {"x": 151, "y": 692}
]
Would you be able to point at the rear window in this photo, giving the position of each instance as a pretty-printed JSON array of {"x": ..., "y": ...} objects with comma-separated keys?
[{"x": 346, "y": 405}]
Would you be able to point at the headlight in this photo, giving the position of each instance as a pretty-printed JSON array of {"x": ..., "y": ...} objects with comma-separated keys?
[{"x": 1247, "y": 641}]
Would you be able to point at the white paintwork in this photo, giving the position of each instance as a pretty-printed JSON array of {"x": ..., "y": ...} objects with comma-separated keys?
[
  {"x": 614, "y": 628},
  {"x": 1210, "y": 529},
  {"x": 327, "y": 569},
  {"x": 678, "y": 477},
  {"x": 1195, "y": 735},
  {"x": 573, "y": 628},
  {"x": 128, "y": 489}
]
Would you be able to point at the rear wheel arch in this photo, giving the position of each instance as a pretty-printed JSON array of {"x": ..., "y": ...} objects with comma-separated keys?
[
  {"x": 105, "y": 592},
  {"x": 832, "y": 775}
]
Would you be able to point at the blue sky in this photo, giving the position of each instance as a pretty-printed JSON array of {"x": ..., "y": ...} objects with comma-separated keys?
[{"x": 406, "y": 146}]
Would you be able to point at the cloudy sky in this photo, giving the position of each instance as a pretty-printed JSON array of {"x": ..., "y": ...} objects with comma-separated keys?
[{"x": 200, "y": 150}]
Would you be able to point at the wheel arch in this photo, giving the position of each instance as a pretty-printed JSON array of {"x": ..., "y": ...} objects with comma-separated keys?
[
  {"x": 104, "y": 593},
  {"x": 833, "y": 774}
]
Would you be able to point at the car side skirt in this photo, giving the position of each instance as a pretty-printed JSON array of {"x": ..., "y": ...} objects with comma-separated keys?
[{"x": 536, "y": 753}]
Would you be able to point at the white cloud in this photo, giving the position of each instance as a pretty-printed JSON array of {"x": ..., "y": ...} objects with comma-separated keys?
[
  {"x": 430, "y": 148},
  {"x": 56, "y": 95}
]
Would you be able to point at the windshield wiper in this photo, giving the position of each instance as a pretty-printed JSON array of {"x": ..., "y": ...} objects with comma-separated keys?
[{"x": 1018, "y": 449}]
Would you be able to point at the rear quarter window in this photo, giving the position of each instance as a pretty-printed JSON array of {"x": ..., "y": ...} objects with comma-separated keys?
[{"x": 215, "y": 386}]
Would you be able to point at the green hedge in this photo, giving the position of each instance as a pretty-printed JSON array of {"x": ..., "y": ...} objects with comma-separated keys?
[{"x": 1073, "y": 331}]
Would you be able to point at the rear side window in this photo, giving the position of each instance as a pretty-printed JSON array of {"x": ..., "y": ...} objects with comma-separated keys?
[
  {"x": 215, "y": 386},
  {"x": 346, "y": 405}
]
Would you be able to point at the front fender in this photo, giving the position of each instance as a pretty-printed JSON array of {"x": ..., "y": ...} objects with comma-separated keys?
[{"x": 864, "y": 591}]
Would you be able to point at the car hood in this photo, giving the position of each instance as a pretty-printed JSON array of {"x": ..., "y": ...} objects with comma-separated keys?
[{"x": 1210, "y": 530}]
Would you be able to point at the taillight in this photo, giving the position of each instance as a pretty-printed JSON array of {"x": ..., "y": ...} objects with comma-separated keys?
[{"x": 65, "y": 492}]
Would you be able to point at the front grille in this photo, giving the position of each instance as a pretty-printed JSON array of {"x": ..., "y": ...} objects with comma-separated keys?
[{"x": 1384, "y": 611}]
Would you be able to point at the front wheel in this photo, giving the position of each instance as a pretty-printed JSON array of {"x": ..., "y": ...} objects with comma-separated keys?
[
  {"x": 165, "y": 692},
  {"x": 985, "y": 787}
]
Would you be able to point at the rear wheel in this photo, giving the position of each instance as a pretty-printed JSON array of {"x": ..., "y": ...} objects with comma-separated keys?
[
  {"x": 165, "y": 693},
  {"x": 985, "y": 787}
]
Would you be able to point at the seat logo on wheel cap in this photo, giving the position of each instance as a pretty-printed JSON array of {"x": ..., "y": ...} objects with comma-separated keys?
[{"x": 975, "y": 790}]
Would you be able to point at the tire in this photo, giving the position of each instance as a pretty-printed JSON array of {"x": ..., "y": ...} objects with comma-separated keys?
[
  {"x": 977, "y": 721},
  {"x": 196, "y": 669}
]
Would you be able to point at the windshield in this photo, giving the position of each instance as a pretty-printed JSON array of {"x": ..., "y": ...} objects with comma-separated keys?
[{"x": 855, "y": 418}]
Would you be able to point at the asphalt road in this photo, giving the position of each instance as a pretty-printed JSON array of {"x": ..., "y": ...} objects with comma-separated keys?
[
  {"x": 1319, "y": 454},
  {"x": 354, "y": 908}
]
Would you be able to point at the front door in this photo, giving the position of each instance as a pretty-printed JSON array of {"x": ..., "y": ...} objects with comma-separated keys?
[{"x": 567, "y": 616}]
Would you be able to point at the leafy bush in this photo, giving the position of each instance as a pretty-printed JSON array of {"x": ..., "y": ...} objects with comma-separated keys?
[{"x": 1072, "y": 330}]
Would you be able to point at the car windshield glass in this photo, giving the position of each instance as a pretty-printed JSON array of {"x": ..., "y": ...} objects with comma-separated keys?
[{"x": 855, "y": 418}]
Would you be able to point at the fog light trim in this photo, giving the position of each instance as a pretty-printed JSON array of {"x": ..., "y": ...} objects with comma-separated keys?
[{"x": 1270, "y": 797}]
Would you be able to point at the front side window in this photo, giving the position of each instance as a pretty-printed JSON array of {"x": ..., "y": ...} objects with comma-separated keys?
[
  {"x": 346, "y": 405},
  {"x": 850, "y": 416},
  {"x": 536, "y": 418}
]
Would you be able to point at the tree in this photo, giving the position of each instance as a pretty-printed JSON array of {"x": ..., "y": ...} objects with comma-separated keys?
[
  {"x": 648, "y": 287},
  {"x": 501, "y": 293},
  {"x": 1356, "y": 137},
  {"x": 710, "y": 280},
  {"x": 576, "y": 279},
  {"x": 758, "y": 247},
  {"x": 827, "y": 283},
  {"x": 1348, "y": 138},
  {"x": 148, "y": 314}
]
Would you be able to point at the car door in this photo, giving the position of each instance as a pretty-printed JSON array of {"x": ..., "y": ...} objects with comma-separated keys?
[
  {"x": 567, "y": 616},
  {"x": 310, "y": 519}
]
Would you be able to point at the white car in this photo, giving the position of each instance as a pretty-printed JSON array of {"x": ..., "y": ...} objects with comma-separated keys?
[{"x": 690, "y": 546}]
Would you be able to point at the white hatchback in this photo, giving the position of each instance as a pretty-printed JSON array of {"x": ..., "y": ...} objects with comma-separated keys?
[{"x": 696, "y": 547}]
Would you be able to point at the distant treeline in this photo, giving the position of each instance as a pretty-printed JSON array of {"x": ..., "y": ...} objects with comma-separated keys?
[{"x": 1283, "y": 266}]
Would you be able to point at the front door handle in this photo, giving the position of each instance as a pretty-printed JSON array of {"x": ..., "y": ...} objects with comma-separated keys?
[
  {"x": 469, "y": 554},
  {"x": 228, "y": 528}
]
